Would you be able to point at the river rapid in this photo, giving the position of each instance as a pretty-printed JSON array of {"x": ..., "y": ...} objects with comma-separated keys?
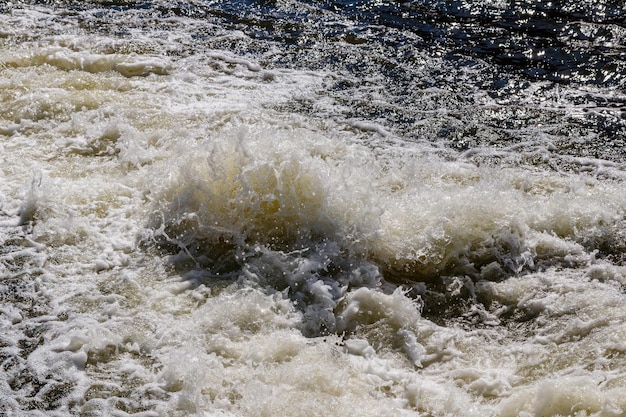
[{"x": 312, "y": 208}]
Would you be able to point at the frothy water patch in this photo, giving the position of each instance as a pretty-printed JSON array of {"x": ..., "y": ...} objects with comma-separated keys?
[
  {"x": 220, "y": 234},
  {"x": 317, "y": 218},
  {"x": 283, "y": 190},
  {"x": 67, "y": 60}
]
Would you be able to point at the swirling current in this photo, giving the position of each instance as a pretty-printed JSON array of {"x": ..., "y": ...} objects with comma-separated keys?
[{"x": 305, "y": 208}]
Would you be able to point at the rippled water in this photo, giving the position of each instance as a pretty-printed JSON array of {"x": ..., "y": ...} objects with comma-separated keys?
[{"x": 312, "y": 208}]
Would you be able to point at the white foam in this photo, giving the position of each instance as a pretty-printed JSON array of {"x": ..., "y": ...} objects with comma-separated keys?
[{"x": 286, "y": 227}]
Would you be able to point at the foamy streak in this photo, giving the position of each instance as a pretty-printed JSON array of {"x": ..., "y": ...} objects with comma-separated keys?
[{"x": 280, "y": 226}]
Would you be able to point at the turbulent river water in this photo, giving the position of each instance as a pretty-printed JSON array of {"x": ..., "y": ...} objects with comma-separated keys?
[{"x": 312, "y": 208}]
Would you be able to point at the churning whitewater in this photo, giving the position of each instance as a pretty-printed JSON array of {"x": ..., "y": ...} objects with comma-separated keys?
[{"x": 303, "y": 208}]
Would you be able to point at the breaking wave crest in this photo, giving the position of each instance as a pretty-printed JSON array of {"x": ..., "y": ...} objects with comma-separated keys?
[{"x": 316, "y": 218}]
